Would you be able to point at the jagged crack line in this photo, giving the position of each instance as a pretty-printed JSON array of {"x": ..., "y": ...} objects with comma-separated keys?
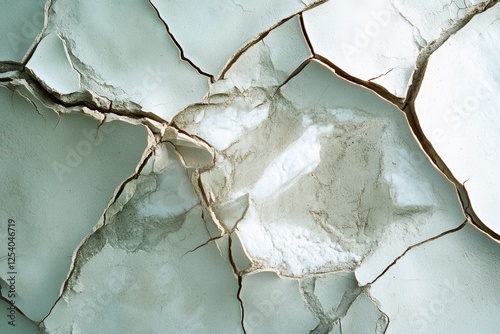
[
  {"x": 240, "y": 283},
  {"x": 202, "y": 245},
  {"x": 414, "y": 123},
  {"x": 260, "y": 37},
  {"x": 178, "y": 46},
  {"x": 374, "y": 87},
  {"x": 417, "y": 245}
]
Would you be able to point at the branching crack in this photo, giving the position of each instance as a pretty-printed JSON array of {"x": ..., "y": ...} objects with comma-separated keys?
[
  {"x": 409, "y": 110},
  {"x": 178, "y": 46},
  {"x": 378, "y": 89},
  {"x": 260, "y": 37},
  {"x": 426, "y": 52},
  {"x": 45, "y": 95}
]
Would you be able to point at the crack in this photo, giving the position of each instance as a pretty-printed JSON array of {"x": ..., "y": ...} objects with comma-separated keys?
[
  {"x": 417, "y": 245},
  {"x": 241, "y": 7},
  {"x": 410, "y": 23},
  {"x": 304, "y": 33},
  {"x": 195, "y": 137},
  {"x": 178, "y": 46},
  {"x": 203, "y": 244},
  {"x": 409, "y": 110},
  {"x": 240, "y": 282},
  {"x": 388, "y": 323},
  {"x": 79, "y": 100},
  {"x": 293, "y": 74},
  {"x": 327, "y": 319},
  {"x": 32, "y": 103},
  {"x": 71, "y": 57},
  {"x": 74, "y": 264},
  {"x": 378, "y": 89},
  {"x": 260, "y": 37},
  {"x": 427, "y": 51},
  {"x": 307, "y": 287},
  {"x": 18, "y": 310},
  {"x": 10, "y": 66},
  {"x": 381, "y": 75},
  {"x": 39, "y": 37},
  {"x": 374, "y": 87},
  {"x": 135, "y": 176},
  {"x": 384, "y": 315}
]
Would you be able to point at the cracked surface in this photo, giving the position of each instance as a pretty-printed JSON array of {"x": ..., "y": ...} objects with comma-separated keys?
[
  {"x": 236, "y": 167},
  {"x": 386, "y": 36},
  {"x": 448, "y": 108}
]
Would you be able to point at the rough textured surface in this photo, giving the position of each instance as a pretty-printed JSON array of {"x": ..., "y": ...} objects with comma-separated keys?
[
  {"x": 249, "y": 167},
  {"x": 334, "y": 150}
]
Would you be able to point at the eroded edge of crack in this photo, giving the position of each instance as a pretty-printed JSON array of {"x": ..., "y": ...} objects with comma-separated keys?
[{"x": 410, "y": 112}]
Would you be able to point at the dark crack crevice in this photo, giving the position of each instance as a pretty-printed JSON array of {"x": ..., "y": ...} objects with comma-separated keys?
[
  {"x": 374, "y": 87},
  {"x": 135, "y": 176},
  {"x": 240, "y": 282},
  {"x": 294, "y": 73},
  {"x": 381, "y": 75},
  {"x": 407, "y": 105},
  {"x": 426, "y": 52},
  {"x": 203, "y": 245},
  {"x": 82, "y": 100},
  {"x": 383, "y": 314},
  {"x": 417, "y": 245},
  {"x": 179, "y": 47},
  {"x": 306, "y": 36},
  {"x": 409, "y": 110},
  {"x": 261, "y": 36},
  {"x": 41, "y": 35},
  {"x": 75, "y": 265},
  {"x": 10, "y": 66},
  {"x": 378, "y": 89}
]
